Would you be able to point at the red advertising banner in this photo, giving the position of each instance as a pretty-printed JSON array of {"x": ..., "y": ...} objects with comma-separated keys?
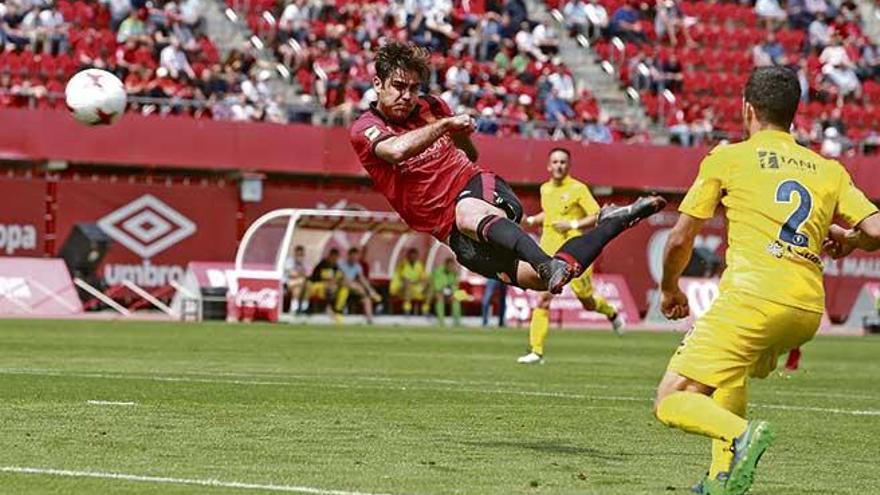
[
  {"x": 158, "y": 228},
  {"x": 36, "y": 287},
  {"x": 567, "y": 309},
  {"x": 184, "y": 143},
  {"x": 155, "y": 229},
  {"x": 866, "y": 306},
  {"x": 21, "y": 219}
]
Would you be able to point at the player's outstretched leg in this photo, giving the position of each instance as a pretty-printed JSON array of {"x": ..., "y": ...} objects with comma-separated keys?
[
  {"x": 580, "y": 252},
  {"x": 487, "y": 223}
]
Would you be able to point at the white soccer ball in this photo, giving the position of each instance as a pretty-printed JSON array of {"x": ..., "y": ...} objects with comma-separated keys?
[{"x": 95, "y": 97}]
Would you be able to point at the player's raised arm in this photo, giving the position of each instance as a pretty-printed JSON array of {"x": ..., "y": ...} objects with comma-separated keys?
[
  {"x": 534, "y": 219},
  {"x": 676, "y": 256},
  {"x": 463, "y": 142},
  {"x": 856, "y": 210},
  {"x": 865, "y": 236},
  {"x": 400, "y": 148}
]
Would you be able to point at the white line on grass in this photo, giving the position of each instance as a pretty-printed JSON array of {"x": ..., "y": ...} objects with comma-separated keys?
[
  {"x": 832, "y": 410},
  {"x": 178, "y": 481},
  {"x": 110, "y": 403},
  {"x": 560, "y": 395}
]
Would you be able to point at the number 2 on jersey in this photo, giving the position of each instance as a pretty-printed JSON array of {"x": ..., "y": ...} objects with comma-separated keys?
[{"x": 789, "y": 232}]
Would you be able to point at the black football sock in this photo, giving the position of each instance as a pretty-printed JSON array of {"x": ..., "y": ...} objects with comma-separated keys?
[
  {"x": 502, "y": 232},
  {"x": 584, "y": 249}
]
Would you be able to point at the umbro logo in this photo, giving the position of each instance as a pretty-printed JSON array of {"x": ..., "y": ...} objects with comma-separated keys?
[{"x": 147, "y": 226}]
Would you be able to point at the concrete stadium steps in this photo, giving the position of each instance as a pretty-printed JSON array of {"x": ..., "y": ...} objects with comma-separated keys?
[{"x": 588, "y": 72}]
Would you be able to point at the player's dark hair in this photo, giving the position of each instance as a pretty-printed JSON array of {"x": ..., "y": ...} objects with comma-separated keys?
[
  {"x": 562, "y": 150},
  {"x": 333, "y": 251},
  {"x": 774, "y": 92},
  {"x": 396, "y": 55},
  {"x": 352, "y": 250}
]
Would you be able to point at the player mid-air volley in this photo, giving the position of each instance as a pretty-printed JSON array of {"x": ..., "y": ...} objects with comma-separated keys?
[{"x": 421, "y": 158}]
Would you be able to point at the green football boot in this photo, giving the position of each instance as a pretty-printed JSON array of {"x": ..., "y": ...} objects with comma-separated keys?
[{"x": 747, "y": 451}]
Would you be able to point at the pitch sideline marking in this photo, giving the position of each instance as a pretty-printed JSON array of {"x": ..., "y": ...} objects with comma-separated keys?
[
  {"x": 442, "y": 381},
  {"x": 178, "y": 481},
  {"x": 110, "y": 403},
  {"x": 157, "y": 378}
]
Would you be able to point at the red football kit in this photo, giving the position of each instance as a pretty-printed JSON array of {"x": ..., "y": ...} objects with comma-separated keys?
[{"x": 424, "y": 188}]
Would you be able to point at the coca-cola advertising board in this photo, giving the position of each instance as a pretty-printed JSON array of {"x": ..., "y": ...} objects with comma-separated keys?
[{"x": 252, "y": 299}]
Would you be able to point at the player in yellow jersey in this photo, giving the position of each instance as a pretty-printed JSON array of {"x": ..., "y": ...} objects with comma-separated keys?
[
  {"x": 779, "y": 199},
  {"x": 567, "y": 208}
]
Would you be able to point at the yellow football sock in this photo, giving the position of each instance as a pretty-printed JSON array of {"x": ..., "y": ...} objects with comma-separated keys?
[
  {"x": 699, "y": 414},
  {"x": 538, "y": 329},
  {"x": 735, "y": 401},
  {"x": 341, "y": 299},
  {"x": 603, "y": 307}
]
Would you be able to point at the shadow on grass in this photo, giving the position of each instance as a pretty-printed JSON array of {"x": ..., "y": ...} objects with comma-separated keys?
[{"x": 552, "y": 447}]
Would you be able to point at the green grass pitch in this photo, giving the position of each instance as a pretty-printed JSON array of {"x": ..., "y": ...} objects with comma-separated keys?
[{"x": 398, "y": 411}]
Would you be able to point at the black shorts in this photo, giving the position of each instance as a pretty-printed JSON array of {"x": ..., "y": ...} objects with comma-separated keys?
[{"x": 487, "y": 259}]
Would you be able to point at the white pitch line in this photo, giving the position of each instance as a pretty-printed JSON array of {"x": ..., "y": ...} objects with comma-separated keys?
[
  {"x": 178, "y": 481},
  {"x": 832, "y": 410},
  {"x": 110, "y": 403},
  {"x": 559, "y": 395}
]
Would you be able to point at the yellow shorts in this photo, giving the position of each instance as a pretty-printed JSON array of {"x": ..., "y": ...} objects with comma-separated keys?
[
  {"x": 318, "y": 290},
  {"x": 741, "y": 336},
  {"x": 415, "y": 290},
  {"x": 582, "y": 287}
]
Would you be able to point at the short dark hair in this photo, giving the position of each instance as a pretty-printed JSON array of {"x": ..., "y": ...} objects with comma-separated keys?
[
  {"x": 774, "y": 92},
  {"x": 333, "y": 252},
  {"x": 560, "y": 149},
  {"x": 353, "y": 250},
  {"x": 397, "y": 55}
]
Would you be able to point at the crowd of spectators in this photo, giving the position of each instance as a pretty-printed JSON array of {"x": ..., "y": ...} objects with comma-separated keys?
[
  {"x": 159, "y": 49},
  {"x": 489, "y": 59},
  {"x": 688, "y": 60}
]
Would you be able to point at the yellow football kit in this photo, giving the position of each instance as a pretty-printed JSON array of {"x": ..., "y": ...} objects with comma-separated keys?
[
  {"x": 569, "y": 201},
  {"x": 410, "y": 282},
  {"x": 780, "y": 199}
]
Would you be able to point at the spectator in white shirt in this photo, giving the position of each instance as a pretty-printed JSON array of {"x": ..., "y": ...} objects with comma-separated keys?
[
  {"x": 525, "y": 42},
  {"x": 562, "y": 82},
  {"x": 598, "y": 17},
  {"x": 817, "y": 7},
  {"x": 575, "y": 14},
  {"x": 839, "y": 69},
  {"x": 771, "y": 12},
  {"x": 546, "y": 38},
  {"x": 819, "y": 33},
  {"x": 174, "y": 60}
]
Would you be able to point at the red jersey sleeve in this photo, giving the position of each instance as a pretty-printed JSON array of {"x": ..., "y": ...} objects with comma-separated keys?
[{"x": 368, "y": 131}]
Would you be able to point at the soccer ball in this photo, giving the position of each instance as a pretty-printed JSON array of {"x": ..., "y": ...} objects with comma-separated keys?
[{"x": 95, "y": 97}]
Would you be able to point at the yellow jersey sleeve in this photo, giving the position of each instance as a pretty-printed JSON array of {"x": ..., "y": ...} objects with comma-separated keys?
[
  {"x": 705, "y": 193},
  {"x": 586, "y": 201},
  {"x": 852, "y": 204}
]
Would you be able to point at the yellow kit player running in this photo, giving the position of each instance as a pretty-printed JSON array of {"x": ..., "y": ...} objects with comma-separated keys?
[
  {"x": 567, "y": 207},
  {"x": 780, "y": 199}
]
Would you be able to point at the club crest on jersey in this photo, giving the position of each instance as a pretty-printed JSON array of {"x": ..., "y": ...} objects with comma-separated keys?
[{"x": 776, "y": 249}]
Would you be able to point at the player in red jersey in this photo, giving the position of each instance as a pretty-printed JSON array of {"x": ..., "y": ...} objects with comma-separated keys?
[{"x": 421, "y": 158}]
